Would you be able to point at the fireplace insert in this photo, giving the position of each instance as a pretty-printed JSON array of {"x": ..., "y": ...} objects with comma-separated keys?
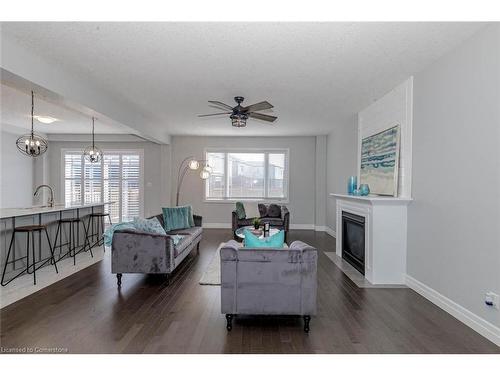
[{"x": 353, "y": 240}]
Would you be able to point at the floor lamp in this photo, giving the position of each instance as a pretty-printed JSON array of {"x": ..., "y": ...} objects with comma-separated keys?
[{"x": 193, "y": 164}]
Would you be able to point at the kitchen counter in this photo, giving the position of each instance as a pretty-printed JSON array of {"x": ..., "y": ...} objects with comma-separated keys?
[
  {"x": 6, "y": 213},
  {"x": 11, "y": 218}
]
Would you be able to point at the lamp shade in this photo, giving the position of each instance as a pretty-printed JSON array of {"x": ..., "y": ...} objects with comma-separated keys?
[
  {"x": 193, "y": 164},
  {"x": 204, "y": 174}
]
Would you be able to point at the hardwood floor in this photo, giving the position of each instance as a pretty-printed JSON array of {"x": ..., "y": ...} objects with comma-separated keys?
[{"x": 86, "y": 313}]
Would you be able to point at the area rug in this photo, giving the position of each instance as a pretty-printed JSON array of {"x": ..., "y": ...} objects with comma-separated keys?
[
  {"x": 212, "y": 273},
  {"x": 353, "y": 274}
]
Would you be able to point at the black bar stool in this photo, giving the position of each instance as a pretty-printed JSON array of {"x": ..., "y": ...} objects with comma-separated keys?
[
  {"x": 97, "y": 217},
  {"x": 29, "y": 229},
  {"x": 72, "y": 243}
]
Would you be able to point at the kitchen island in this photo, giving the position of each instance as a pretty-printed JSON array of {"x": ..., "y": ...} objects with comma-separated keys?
[{"x": 15, "y": 217}]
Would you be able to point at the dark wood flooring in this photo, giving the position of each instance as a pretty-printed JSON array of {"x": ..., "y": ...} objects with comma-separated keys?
[{"x": 86, "y": 313}]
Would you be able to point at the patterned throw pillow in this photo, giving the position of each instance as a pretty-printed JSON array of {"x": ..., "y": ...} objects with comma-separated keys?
[
  {"x": 274, "y": 210},
  {"x": 262, "y": 210},
  {"x": 240, "y": 211},
  {"x": 148, "y": 225},
  {"x": 251, "y": 210},
  {"x": 275, "y": 241}
]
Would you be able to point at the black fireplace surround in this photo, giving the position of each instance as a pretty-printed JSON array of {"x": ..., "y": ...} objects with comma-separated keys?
[{"x": 353, "y": 240}]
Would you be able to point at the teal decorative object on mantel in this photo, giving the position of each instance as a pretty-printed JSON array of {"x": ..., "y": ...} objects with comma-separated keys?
[
  {"x": 352, "y": 184},
  {"x": 364, "y": 190}
]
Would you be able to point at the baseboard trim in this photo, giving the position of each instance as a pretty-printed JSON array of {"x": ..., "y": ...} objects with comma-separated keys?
[
  {"x": 326, "y": 229},
  {"x": 302, "y": 226},
  {"x": 331, "y": 232},
  {"x": 478, "y": 324}
]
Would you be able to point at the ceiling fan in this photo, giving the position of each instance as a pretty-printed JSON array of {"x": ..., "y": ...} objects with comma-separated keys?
[{"x": 240, "y": 114}]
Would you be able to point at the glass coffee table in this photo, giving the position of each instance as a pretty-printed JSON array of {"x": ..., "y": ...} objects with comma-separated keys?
[{"x": 240, "y": 232}]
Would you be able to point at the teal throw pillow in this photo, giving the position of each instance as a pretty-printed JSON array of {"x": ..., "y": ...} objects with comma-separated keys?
[
  {"x": 177, "y": 217},
  {"x": 276, "y": 240},
  {"x": 240, "y": 211},
  {"x": 148, "y": 225},
  {"x": 189, "y": 214}
]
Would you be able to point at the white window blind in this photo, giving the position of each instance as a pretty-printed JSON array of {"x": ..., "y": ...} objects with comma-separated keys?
[
  {"x": 117, "y": 179},
  {"x": 130, "y": 187},
  {"x": 73, "y": 179},
  {"x": 112, "y": 178},
  {"x": 255, "y": 174}
]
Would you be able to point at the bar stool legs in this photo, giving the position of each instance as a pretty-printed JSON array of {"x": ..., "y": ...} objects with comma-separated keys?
[
  {"x": 100, "y": 227},
  {"x": 73, "y": 239},
  {"x": 86, "y": 241},
  {"x": 30, "y": 229}
]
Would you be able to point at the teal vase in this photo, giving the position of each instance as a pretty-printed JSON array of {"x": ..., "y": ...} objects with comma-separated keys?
[
  {"x": 364, "y": 189},
  {"x": 352, "y": 184}
]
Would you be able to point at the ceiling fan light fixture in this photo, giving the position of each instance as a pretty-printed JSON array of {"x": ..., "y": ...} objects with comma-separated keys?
[
  {"x": 239, "y": 114},
  {"x": 239, "y": 120}
]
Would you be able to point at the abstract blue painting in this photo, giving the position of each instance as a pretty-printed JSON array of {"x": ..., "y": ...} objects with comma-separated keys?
[{"x": 380, "y": 162}]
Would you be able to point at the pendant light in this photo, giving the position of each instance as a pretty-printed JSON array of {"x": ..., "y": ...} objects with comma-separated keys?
[
  {"x": 92, "y": 153},
  {"x": 32, "y": 144}
]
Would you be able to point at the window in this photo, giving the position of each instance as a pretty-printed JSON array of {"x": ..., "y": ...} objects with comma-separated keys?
[
  {"x": 259, "y": 175},
  {"x": 118, "y": 179}
]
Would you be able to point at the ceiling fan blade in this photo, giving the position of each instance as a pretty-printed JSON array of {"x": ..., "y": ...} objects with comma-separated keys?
[
  {"x": 216, "y": 114},
  {"x": 262, "y": 116},
  {"x": 258, "y": 107},
  {"x": 220, "y": 104}
]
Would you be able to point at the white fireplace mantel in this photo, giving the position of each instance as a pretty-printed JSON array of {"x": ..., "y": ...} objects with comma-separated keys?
[
  {"x": 385, "y": 234},
  {"x": 374, "y": 199}
]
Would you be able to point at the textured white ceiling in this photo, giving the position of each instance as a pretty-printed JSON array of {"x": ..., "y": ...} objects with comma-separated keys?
[
  {"x": 315, "y": 74},
  {"x": 16, "y": 111}
]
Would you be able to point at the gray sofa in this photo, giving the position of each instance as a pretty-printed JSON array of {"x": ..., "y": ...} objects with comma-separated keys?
[
  {"x": 282, "y": 222},
  {"x": 137, "y": 252},
  {"x": 268, "y": 281}
]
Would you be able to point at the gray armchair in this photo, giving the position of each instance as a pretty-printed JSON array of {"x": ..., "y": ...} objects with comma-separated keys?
[
  {"x": 282, "y": 222},
  {"x": 267, "y": 281},
  {"x": 138, "y": 252}
]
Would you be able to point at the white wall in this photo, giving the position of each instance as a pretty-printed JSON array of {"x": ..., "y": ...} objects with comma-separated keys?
[
  {"x": 454, "y": 220},
  {"x": 321, "y": 195},
  {"x": 16, "y": 183},
  {"x": 341, "y": 163},
  {"x": 156, "y": 170},
  {"x": 394, "y": 108},
  {"x": 302, "y": 175}
]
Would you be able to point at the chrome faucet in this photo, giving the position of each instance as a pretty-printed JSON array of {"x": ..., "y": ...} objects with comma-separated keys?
[{"x": 50, "y": 202}]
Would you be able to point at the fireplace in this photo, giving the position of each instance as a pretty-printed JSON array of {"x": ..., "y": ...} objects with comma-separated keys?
[{"x": 353, "y": 240}]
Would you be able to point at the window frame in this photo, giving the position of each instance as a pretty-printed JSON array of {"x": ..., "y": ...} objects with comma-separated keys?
[
  {"x": 259, "y": 150},
  {"x": 139, "y": 152}
]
